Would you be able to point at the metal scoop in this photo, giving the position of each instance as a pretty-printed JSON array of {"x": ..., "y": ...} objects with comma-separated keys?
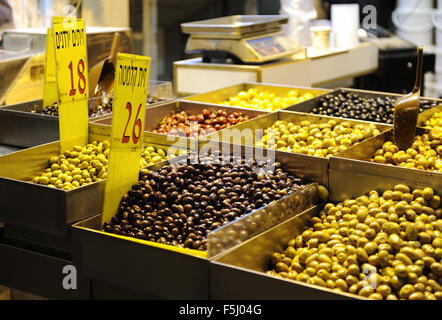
[
  {"x": 406, "y": 111},
  {"x": 101, "y": 76}
]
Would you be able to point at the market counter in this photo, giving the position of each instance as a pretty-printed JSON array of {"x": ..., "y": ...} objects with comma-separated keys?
[{"x": 312, "y": 72}]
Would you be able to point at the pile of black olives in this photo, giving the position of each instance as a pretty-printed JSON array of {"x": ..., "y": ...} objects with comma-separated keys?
[
  {"x": 96, "y": 107},
  {"x": 354, "y": 106},
  {"x": 183, "y": 202}
]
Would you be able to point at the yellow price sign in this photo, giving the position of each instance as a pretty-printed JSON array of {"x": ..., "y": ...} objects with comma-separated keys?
[
  {"x": 69, "y": 41},
  {"x": 128, "y": 111},
  {"x": 50, "y": 78}
]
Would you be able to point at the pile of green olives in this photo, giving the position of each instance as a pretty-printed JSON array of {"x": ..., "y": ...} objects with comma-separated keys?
[
  {"x": 424, "y": 154},
  {"x": 378, "y": 246},
  {"x": 84, "y": 165},
  {"x": 316, "y": 139},
  {"x": 76, "y": 167}
]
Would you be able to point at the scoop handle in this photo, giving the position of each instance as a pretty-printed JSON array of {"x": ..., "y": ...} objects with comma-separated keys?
[
  {"x": 114, "y": 48},
  {"x": 419, "y": 67}
]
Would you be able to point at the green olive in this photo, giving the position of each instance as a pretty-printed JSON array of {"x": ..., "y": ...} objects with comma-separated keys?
[
  {"x": 406, "y": 291},
  {"x": 341, "y": 284},
  {"x": 376, "y": 296},
  {"x": 437, "y": 243},
  {"x": 282, "y": 267},
  {"x": 366, "y": 291},
  {"x": 428, "y": 194},
  {"x": 402, "y": 188},
  {"x": 401, "y": 270},
  {"x": 323, "y": 192},
  {"x": 416, "y": 296},
  {"x": 384, "y": 290},
  {"x": 436, "y": 268}
]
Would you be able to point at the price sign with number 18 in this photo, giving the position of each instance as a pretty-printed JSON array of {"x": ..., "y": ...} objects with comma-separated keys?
[
  {"x": 128, "y": 111},
  {"x": 69, "y": 45}
]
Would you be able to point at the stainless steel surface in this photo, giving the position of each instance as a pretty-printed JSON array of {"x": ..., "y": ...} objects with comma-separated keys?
[
  {"x": 220, "y": 95},
  {"x": 240, "y": 273},
  {"x": 7, "y": 149},
  {"x": 12, "y": 65},
  {"x": 161, "y": 89},
  {"x": 47, "y": 210},
  {"x": 21, "y": 128},
  {"x": 352, "y": 174},
  {"x": 39, "y": 274},
  {"x": 237, "y": 25},
  {"x": 147, "y": 269},
  {"x": 98, "y": 39}
]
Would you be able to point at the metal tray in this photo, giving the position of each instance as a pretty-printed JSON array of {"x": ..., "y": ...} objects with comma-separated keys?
[
  {"x": 427, "y": 114},
  {"x": 220, "y": 95},
  {"x": 240, "y": 272},
  {"x": 308, "y": 105},
  {"x": 137, "y": 266},
  {"x": 252, "y": 131},
  {"x": 46, "y": 210},
  {"x": 155, "y": 272},
  {"x": 354, "y": 165},
  {"x": 234, "y": 26},
  {"x": 21, "y": 128},
  {"x": 60, "y": 247},
  {"x": 156, "y": 113},
  {"x": 39, "y": 274},
  {"x": 102, "y": 290}
]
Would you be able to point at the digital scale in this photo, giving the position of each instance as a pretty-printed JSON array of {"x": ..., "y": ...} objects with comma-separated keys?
[
  {"x": 247, "y": 39},
  {"x": 253, "y": 48}
]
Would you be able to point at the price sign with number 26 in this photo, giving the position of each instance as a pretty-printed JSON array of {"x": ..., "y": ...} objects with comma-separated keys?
[{"x": 130, "y": 94}]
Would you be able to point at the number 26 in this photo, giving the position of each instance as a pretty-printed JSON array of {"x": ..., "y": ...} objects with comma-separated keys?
[{"x": 138, "y": 124}]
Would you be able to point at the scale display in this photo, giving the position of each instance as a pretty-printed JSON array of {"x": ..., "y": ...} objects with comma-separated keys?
[{"x": 266, "y": 46}]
